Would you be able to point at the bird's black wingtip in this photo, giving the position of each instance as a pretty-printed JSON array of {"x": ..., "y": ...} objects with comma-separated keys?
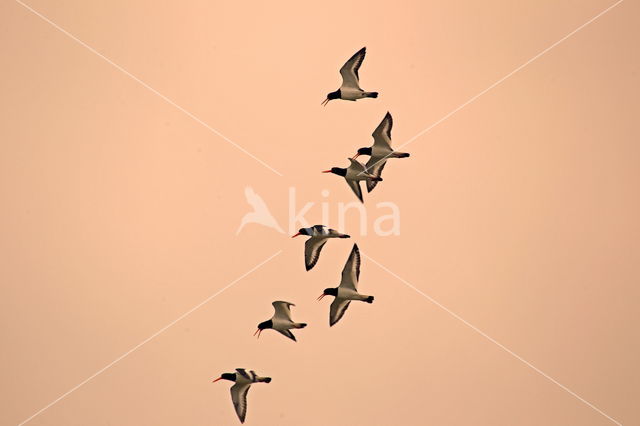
[
  {"x": 345, "y": 236},
  {"x": 267, "y": 379}
]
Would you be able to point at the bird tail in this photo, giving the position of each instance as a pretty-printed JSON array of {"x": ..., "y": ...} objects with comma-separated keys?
[
  {"x": 402, "y": 155},
  {"x": 371, "y": 94},
  {"x": 300, "y": 325},
  {"x": 369, "y": 299},
  {"x": 263, "y": 379}
]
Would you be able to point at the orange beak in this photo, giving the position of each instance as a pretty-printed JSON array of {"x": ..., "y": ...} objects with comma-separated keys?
[
  {"x": 321, "y": 296},
  {"x": 356, "y": 156},
  {"x": 293, "y": 236},
  {"x": 326, "y": 171},
  {"x": 219, "y": 378},
  {"x": 258, "y": 332},
  {"x": 325, "y": 102}
]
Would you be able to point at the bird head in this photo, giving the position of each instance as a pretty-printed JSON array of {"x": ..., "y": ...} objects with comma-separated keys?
[
  {"x": 226, "y": 376},
  {"x": 331, "y": 96},
  {"x": 336, "y": 171},
  {"x": 363, "y": 151},
  {"x": 263, "y": 325},
  {"x": 301, "y": 231},
  {"x": 328, "y": 292}
]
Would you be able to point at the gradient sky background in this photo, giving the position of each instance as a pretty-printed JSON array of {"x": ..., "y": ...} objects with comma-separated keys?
[{"x": 519, "y": 213}]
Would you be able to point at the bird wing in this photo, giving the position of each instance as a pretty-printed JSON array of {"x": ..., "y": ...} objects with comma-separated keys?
[
  {"x": 354, "y": 172},
  {"x": 320, "y": 229},
  {"x": 356, "y": 166},
  {"x": 382, "y": 133},
  {"x": 375, "y": 166},
  {"x": 243, "y": 373},
  {"x": 349, "y": 70},
  {"x": 288, "y": 333},
  {"x": 312, "y": 248},
  {"x": 283, "y": 310},
  {"x": 351, "y": 270},
  {"x": 355, "y": 187},
  {"x": 338, "y": 308},
  {"x": 239, "y": 397}
]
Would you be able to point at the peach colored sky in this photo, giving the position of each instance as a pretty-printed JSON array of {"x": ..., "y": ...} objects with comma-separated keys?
[{"x": 519, "y": 213}]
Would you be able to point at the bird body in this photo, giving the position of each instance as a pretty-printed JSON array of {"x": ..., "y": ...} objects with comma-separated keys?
[
  {"x": 349, "y": 294},
  {"x": 281, "y": 320},
  {"x": 353, "y": 94},
  {"x": 312, "y": 247},
  {"x": 243, "y": 381}
]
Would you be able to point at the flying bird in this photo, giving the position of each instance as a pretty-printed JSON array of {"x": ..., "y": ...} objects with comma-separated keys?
[
  {"x": 239, "y": 390},
  {"x": 348, "y": 288},
  {"x": 281, "y": 320},
  {"x": 350, "y": 89},
  {"x": 312, "y": 247},
  {"x": 353, "y": 175},
  {"x": 380, "y": 151}
]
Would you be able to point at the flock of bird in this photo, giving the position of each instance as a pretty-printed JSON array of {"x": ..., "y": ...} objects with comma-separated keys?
[{"x": 347, "y": 291}]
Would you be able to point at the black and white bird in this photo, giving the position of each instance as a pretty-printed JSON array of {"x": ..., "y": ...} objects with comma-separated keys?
[
  {"x": 350, "y": 89},
  {"x": 348, "y": 288},
  {"x": 239, "y": 390},
  {"x": 353, "y": 175},
  {"x": 319, "y": 235},
  {"x": 281, "y": 320},
  {"x": 380, "y": 151}
]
